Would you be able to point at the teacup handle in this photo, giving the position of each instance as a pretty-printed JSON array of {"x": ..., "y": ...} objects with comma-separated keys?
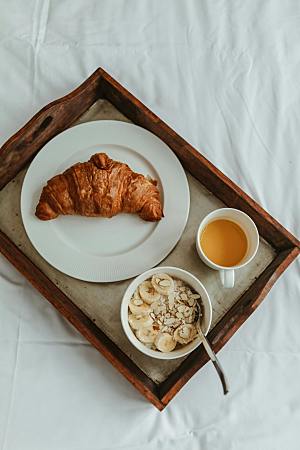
[{"x": 227, "y": 278}]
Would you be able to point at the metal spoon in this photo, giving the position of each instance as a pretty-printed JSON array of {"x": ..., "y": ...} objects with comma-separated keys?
[{"x": 211, "y": 353}]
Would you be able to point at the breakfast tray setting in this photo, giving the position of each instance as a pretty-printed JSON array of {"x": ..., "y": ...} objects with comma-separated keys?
[{"x": 93, "y": 308}]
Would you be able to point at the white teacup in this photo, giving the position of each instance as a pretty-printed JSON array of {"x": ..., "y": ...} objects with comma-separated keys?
[{"x": 249, "y": 228}]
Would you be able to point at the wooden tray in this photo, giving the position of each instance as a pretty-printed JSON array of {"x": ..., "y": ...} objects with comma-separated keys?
[{"x": 101, "y": 97}]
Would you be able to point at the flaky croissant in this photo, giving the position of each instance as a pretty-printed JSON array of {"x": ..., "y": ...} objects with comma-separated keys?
[{"x": 100, "y": 187}]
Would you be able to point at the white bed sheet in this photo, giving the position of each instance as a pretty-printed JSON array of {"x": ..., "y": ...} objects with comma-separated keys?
[{"x": 225, "y": 74}]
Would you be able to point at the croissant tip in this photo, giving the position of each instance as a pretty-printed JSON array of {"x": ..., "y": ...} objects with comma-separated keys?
[
  {"x": 101, "y": 160},
  {"x": 44, "y": 212}
]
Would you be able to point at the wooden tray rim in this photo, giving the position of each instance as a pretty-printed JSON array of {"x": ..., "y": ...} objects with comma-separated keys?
[{"x": 59, "y": 115}]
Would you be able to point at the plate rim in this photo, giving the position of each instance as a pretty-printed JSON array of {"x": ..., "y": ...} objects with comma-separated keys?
[{"x": 154, "y": 260}]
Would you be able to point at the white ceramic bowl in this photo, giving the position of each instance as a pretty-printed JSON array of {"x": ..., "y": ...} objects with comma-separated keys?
[{"x": 196, "y": 285}]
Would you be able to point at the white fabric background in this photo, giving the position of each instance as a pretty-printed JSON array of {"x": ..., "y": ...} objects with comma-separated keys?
[{"x": 226, "y": 75}]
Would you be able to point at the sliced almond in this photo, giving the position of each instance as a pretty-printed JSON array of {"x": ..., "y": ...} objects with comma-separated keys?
[
  {"x": 165, "y": 283},
  {"x": 169, "y": 321},
  {"x": 188, "y": 312},
  {"x": 171, "y": 299},
  {"x": 191, "y": 302}
]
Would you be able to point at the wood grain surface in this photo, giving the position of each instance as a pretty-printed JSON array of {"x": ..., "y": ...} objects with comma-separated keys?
[
  {"x": 228, "y": 325},
  {"x": 47, "y": 123},
  {"x": 202, "y": 169},
  {"x": 80, "y": 321},
  {"x": 59, "y": 115}
]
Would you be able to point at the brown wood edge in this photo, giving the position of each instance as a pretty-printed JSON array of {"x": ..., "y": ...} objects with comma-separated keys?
[
  {"x": 104, "y": 85},
  {"x": 80, "y": 321},
  {"x": 197, "y": 164},
  {"x": 229, "y": 324},
  {"x": 206, "y": 172},
  {"x": 36, "y": 128}
]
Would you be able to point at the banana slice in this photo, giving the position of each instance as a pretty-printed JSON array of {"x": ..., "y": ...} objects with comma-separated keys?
[
  {"x": 164, "y": 342},
  {"x": 139, "y": 309},
  {"x": 162, "y": 283},
  {"x": 147, "y": 292},
  {"x": 185, "y": 333},
  {"x": 142, "y": 322},
  {"x": 146, "y": 335},
  {"x": 136, "y": 295}
]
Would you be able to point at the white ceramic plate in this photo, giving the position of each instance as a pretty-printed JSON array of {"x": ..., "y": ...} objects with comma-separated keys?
[{"x": 99, "y": 249}]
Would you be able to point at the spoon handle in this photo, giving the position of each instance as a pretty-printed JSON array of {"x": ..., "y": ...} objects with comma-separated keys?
[{"x": 216, "y": 363}]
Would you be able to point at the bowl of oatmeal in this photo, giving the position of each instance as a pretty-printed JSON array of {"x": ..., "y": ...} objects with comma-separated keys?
[{"x": 159, "y": 312}]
